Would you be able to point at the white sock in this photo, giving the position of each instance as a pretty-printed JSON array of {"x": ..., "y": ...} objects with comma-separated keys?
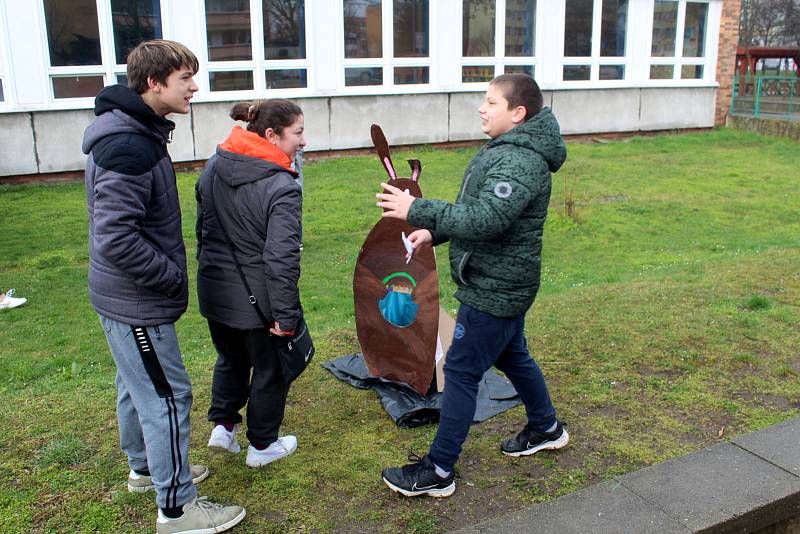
[
  {"x": 441, "y": 473},
  {"x": 555, "y": 425}
]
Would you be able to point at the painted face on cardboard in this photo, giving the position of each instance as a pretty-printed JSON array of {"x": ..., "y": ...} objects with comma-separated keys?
[
  {"x": 291, "y": 139},
  {"x": 174, "y": 95},
  {"x": 496, "y": 117}
]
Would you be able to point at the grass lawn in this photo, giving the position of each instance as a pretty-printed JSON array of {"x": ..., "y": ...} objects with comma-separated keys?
[{"x": 669, "y": 319}]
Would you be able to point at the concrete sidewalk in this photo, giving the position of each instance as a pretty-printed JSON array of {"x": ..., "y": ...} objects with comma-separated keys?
[{"x": 744, "y": 485}]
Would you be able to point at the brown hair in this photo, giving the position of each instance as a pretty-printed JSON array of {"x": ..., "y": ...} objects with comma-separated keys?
[
  {"x": 259, "y": 115},
  {"x": 157, "y": 59},
  {"x": 520, "y": 90}
]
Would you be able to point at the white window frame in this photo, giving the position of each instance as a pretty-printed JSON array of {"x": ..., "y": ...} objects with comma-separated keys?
[
  {"x": 499, "y": 61},
  {"x": 5, "y": 62},
  {"x": 117, "y": 69},
  {"x": 387, "y": 62},
  {"x": 258, "y": 65},
  {"x": 678, "y": 61},
  {"x": 104, "y": 69},
  {"x": 596, "y": 60}
]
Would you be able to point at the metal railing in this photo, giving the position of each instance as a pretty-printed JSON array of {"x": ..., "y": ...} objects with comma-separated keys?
[{"x": 766, "y": 96}]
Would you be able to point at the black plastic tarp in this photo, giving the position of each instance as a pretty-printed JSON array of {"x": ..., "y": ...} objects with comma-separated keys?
[{"x": 408, "y": 408}]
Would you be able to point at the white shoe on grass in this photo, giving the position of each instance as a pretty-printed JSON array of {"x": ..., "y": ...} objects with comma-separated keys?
[
  {"x": 284, "y": 446},
  {"x": 224, "y": 441},
  {"x": 141, "y": 483},
  {"x": 201, "y": 517},
  {"x": 8, "y": 300}
]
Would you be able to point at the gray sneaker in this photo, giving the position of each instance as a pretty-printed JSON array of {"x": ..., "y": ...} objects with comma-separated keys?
[
  {"x": 142, "y": 483},
  {"x": 201, "y": 517}
]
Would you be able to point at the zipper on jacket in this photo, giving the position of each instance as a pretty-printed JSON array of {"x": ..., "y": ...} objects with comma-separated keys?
[{"x": 461, "y": 268}]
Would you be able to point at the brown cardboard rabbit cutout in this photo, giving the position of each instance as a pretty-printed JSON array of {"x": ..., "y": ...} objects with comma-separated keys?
[{"x": 397, "y": 301}]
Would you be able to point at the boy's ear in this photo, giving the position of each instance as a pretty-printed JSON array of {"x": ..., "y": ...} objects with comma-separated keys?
[
  {"x": 153, "y": 84},
  {"x": 518, "y": 114}
]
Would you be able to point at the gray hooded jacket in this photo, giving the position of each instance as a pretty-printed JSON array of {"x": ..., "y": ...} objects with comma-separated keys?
[
  {"x": 137, "y": 260},
  {"x": 259, "y": 203}
]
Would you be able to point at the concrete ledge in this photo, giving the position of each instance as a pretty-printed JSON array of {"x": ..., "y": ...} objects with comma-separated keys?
[
  {"x": 743, "y": 486},
  {"x": 767, "y": 126}
]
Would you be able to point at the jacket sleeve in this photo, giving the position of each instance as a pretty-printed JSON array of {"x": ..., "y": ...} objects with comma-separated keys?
[
  {"x": 282, "y": 255},
  {"x": 120, "y": 205},
  {"x": 504, "y": 194}
]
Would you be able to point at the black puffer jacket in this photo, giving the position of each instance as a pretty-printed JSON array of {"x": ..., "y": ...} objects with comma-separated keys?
[
  {"x": 137, "y": 261},
  {"x": 259, "y": 203}
]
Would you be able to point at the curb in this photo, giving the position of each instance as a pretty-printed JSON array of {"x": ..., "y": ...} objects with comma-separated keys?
[{"x": 744, "y": 485}]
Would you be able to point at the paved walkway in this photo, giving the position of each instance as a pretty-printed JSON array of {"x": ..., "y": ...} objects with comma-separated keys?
[{"x": 742, "y": 486}]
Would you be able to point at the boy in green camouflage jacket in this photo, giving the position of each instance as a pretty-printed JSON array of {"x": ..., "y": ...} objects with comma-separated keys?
[{"x": 495, "y": 233}]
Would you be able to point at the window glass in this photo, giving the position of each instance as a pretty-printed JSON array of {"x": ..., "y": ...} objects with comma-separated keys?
[
  {"x": 134, "y": 21},
  {"x": 694, "y": 30},
  {"x": 122, "y": 79},
  {"x": 363, "y": 76},
  {"x": 692, "y": 72},
  {"x": 612, "y": 28},
  {"x": 576, "y": 72},
  {"x": 612, "y": 72},
  {"x": 478, "y": 28},
  {"x": 284, "y": 29},
  {"x": 76, "y": 86},
  {"x": 477, "y": 74},
  {"x": 231, "y": 81},
  {"x": 410, "y": 75},
  {"x": 665, "y": 26},
  {"x": 2, "y": 95},
  {"x": 362, "y": 29},
  {"x": 411, "y": 32},
  {"x": 228, "y": 30},
  {"x": 520, "y": 28},
  {"x": 73, "y": 36},
  {"x": 578, "y": 28},
  {"x": 287, "y": 79},
  {"x": 661, "y": 72},
  {"x": 524, "y": 69}
]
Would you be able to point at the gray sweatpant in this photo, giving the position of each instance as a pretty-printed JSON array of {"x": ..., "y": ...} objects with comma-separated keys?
[{"x": 154, "y": 397}]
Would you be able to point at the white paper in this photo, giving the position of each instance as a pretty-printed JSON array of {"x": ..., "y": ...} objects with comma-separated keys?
[{"x": 409, "y": 247}]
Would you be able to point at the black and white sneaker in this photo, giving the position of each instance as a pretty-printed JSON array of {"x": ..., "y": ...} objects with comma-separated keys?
[
  {"x": 419, "y": 478},
  {"x": 530, "y": 441}
]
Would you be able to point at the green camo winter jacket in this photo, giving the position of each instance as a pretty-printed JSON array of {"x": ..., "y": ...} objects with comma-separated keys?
[{"x": 495, "y": 226}]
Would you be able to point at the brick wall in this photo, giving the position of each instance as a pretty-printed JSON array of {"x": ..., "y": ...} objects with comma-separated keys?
[{"x": 726, "y": 56}]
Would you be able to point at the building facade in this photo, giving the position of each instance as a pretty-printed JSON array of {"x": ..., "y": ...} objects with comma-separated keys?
[{"x": 417, "y": 67}]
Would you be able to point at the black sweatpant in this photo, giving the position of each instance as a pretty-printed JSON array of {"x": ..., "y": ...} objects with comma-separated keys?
[{"x": 264, "y": 393}]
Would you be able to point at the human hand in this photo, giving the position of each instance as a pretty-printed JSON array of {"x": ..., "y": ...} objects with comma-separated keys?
[
  {"x": 276, "y": 330},
  {"x": 418, "y": 238},
  {"x": 396, "y": 201}
]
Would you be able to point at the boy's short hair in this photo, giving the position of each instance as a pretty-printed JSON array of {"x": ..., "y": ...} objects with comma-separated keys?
[
  {"x": 157, "y": 58},
  {"x": 520, "y": 90}
]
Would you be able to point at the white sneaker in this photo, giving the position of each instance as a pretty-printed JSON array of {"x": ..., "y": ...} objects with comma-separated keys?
[
  {"x": 285, "y": 446},
  {"x": 8, "y": 301},
  {"x": 224, "y": 441}
]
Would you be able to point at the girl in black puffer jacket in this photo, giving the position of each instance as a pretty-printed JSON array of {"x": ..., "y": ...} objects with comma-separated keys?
[{"x": 257, "y": 200}]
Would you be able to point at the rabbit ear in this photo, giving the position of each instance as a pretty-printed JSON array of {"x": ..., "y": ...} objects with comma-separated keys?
[
  {"x": 379, "y": 140},
  {"x": 416, "y": 169}
]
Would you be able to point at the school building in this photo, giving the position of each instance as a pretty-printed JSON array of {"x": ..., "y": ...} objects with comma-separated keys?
[{"x": 417, "y": 67}]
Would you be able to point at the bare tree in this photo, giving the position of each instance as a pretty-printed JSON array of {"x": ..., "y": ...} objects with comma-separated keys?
[{"x": 770, "y": 23}]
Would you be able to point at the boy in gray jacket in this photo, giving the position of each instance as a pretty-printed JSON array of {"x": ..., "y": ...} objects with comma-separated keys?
[{"x": 137, "y": 279}]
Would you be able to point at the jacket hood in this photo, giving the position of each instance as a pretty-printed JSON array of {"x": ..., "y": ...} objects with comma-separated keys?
[
  {"x": 121, "y": 110},
  {"x": 542, "y": 134},
  {"x": 246, "y": 157}
]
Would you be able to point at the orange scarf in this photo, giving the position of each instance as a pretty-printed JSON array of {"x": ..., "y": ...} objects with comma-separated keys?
[{"x": 241, "y": 141}]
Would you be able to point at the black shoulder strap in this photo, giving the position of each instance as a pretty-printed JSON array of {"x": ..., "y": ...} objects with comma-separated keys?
[{"x": 251, "y": 297}]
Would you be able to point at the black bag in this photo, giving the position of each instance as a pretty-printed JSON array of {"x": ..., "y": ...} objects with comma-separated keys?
[{"x": 295, "y": 351}]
